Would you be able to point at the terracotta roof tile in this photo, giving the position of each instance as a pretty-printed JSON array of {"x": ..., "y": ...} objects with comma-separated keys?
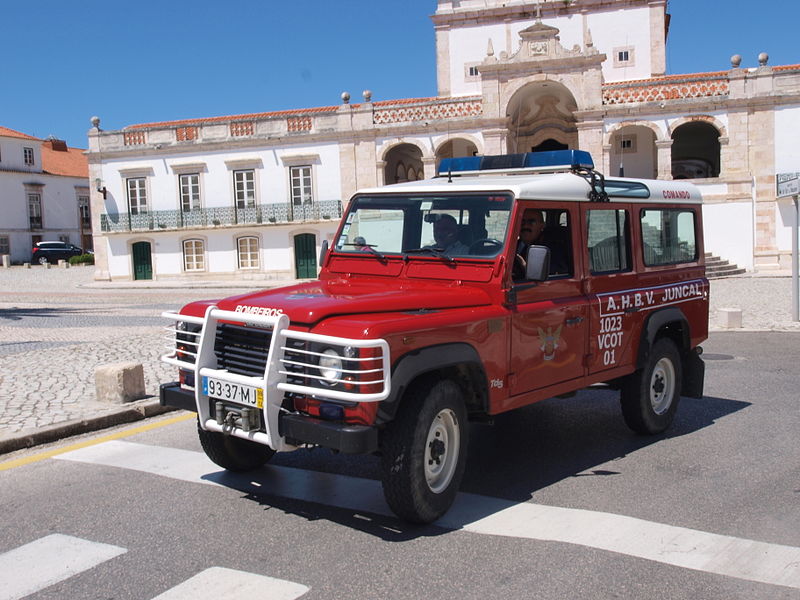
[
  {"x": 5, "y": 131},
  {"x": 70, "y": 162},
  {"x": 786, "y": 68}
]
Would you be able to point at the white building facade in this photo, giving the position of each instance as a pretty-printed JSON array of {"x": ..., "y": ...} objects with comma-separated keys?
[
  {"x": 253, "y": 196},
  {"x": 44, "y": 194}
]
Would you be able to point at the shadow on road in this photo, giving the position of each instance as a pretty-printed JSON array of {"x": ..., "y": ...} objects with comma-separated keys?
[{"x": 524, "y": 451}]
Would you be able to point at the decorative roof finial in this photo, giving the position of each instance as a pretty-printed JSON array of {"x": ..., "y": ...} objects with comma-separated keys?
[
  {"x": 538, "y": 11},
  {"x": 762, "y": 59},
  {"x": 367, "y": 95},
  {"x": 490, "y": 48},
  {"x": 95, "y": 121},
  {"x": 736, "y": 61},
  {"x": 345, "y": 97}
]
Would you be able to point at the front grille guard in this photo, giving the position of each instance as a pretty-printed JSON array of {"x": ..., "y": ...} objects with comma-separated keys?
[{"x": 194, "y": 351}]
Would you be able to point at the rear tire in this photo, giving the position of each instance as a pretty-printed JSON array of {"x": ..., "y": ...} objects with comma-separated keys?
[
  {"x": 232, "y": 453},
  {"x": 424, "y": 451},
  {"x": 650, "y": 396},
  {"x": 42, "y": 260}
]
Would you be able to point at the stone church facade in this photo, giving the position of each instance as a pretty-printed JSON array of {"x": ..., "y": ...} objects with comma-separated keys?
[{"x": 253, "y": 196}]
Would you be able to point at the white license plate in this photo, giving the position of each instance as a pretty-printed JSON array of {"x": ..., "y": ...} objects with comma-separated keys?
[{"x": 233, "y": 392}]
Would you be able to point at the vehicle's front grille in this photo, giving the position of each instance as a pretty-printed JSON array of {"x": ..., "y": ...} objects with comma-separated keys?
[{"x": 242, "y": 350}]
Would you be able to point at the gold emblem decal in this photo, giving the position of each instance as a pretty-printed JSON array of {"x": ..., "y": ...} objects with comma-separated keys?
[{"x": 549, "y": 340}]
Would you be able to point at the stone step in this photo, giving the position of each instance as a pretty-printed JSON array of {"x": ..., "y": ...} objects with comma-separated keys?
[{"x": 718, "y": 267}]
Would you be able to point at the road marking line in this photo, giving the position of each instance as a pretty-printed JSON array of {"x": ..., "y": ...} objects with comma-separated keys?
[
  {"x": 48, "y": 560},
  {"x": 692, "y": 549},
  {"x": 26, "y": 460},
  {"x": 218, "y": 583}
]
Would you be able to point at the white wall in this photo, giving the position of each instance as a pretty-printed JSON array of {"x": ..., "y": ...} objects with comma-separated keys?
[
  {"x": 216, "y": 179},
  {"x": 609, "y": 30},
  {"x": 728, "y": 231}
]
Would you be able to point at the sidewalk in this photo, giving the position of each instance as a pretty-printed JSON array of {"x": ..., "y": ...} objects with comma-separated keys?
[{"x": 57, "y": 326}]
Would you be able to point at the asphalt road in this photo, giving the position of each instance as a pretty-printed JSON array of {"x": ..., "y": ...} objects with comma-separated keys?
[{"x": 729, "y": 466}]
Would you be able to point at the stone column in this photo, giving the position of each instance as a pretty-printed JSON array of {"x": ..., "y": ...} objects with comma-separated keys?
[
  {"x": 495, "y": 141},
  {"x": 429, "y": 167},
  {"x": 664, "y": 158},
  {"x": 590, "y": 139}
]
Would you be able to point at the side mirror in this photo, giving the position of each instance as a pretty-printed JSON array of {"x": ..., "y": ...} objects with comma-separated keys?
[
  {"x": 323, "y": 252},
  {"x": 538, "y": 266}
]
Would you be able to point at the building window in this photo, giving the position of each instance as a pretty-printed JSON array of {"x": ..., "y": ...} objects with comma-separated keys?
[
  {"x": 27, "y": 154},
  {"x": 244, "y": 188},
  {"x": 83, "y": 211},
  {"x": 190, "y": 191},
  {"x": 301, "y": 185},
  {"x": 624, "y": 56},
  {"x": 471, "y": 72},
  {"x": 5, "y": 246},
  {"x": 35, "y": 211},
  {"x": 194, "y": 255},
  {"x": 137, "y": 195},
  {"x": 248, "y": 252}
]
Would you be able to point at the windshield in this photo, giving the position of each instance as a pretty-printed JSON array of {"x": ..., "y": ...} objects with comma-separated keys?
[{"x": 452, "y": 226}]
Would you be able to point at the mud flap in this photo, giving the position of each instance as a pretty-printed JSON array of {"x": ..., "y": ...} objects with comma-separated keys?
[{"x": 694, "y": 372}]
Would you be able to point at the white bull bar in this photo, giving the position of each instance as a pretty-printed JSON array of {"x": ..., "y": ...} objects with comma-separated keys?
[{"x": 199, "y": 346}]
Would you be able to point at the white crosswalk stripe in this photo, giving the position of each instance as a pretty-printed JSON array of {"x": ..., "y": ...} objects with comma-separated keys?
[
  {"x": 724, "y": 555},
  {"x": 48, "y": 560},
  {"x": 218, "y": 583}
]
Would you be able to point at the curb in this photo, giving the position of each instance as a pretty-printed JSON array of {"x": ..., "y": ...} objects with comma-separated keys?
[{"x": 59, "y": 431}]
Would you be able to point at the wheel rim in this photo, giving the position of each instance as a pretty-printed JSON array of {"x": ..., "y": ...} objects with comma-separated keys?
[
  {"x": 662, "y": 386},
  {"x": 441, "y": 450}
]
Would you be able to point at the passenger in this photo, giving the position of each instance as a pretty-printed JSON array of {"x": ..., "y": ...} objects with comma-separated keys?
[
  {"x": 360, "y": 244},
  {"x": 445, "y": 233}
]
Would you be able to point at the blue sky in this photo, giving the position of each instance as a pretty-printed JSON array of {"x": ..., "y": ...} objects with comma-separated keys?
[{"x": 143, "y": 61}]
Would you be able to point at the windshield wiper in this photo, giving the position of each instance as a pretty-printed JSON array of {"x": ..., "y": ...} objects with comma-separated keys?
[{"x": 440, "y": 252}]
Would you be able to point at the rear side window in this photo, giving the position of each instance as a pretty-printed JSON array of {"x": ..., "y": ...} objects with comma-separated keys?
[
  {"x": 668, "y": 236},
  {"x": 608, "y": 241}
]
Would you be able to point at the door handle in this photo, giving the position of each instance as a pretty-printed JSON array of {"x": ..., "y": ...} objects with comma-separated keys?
[{"x": 574, "y": 320}]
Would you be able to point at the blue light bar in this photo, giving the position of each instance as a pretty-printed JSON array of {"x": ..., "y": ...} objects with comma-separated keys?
[{"x": 566, "y": 159}]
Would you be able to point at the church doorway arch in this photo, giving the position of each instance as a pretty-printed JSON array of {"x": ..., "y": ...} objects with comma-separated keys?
[
  {"x": 541, "y": 116},
  {"x": 403, "y": 163},
  {"x": 695, "y": 151}
]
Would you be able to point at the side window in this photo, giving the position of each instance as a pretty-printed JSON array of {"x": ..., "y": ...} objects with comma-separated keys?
[
  {"x": 550, "y": 228},
  {"x": 608, "y": 241},
  {"x": 668, "y": 236}
]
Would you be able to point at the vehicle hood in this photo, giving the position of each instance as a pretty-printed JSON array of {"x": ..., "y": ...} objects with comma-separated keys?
[{"x": 313, "y": 301}]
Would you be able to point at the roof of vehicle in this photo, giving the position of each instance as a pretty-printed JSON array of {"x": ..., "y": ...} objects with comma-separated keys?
[{"x": 563, "y": 186}]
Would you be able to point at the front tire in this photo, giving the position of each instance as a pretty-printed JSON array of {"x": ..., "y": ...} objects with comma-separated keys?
[
  {"x": 650, "y": 396},
  {"x": 424, "y": 451},
  {"x": 232, "y": 453}
]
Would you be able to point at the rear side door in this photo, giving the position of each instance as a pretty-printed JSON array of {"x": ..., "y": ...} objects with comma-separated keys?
[
  {"x": 548, "y": 318},
  {"x": 616, "y": 299}
]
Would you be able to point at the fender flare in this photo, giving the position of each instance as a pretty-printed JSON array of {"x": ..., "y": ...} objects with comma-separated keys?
[
  {"x": 653, "y": 324},
  {"x": 418, "y": 362}
]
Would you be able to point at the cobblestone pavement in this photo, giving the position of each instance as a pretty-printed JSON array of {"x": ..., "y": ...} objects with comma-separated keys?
[{"x": 57, "y": 326}]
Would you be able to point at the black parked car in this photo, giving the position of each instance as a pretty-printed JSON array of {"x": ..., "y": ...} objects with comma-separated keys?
[{"x": 52, "y": 252}]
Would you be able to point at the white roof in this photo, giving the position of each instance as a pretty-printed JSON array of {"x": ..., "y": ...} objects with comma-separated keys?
[{"x": 543, "y": 186}]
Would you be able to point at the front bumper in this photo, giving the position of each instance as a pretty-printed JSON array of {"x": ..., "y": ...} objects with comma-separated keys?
[{"x": 297, "y": 429}]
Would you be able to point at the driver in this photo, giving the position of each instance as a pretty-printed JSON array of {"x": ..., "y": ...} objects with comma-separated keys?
[{"x": 445, "y": 233}]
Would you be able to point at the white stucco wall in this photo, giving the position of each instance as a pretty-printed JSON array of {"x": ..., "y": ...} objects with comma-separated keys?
[
  {"x": 609, "y": 30},
  {"x": 728, "y": 231}
]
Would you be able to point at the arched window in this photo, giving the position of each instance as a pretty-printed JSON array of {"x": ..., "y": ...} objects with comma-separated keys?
[
  {"x": 194, "y": 255},
  {"x": 247, "y": 248},
  {"x": 400, "y": 174}
]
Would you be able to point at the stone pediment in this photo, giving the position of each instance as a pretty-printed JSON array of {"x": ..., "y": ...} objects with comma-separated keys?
[{"x": 540, "y": 43}]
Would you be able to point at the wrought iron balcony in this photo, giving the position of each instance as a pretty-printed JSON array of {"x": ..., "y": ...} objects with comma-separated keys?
[{"x": 223, "y": 215}]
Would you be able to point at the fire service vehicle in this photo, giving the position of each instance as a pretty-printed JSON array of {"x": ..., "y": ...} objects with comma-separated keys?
[{"x": 503, "y": 281}]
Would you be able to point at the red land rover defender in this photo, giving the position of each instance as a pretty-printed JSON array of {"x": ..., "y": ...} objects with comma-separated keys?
[{"x": 504, "y": 281}]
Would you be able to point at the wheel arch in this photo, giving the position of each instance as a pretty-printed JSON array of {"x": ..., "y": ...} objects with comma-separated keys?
[
  {"x": 668, "y": 322},
  {"x": 458, "y": 361}
]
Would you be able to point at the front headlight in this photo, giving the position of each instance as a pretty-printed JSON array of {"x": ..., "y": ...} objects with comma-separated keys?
[{"x": 330, "y": 366}]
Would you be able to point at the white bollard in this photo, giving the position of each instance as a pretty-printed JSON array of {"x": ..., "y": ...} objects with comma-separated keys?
[
  {"x": 730, "y": 318},
  {"x": 6, "y": 261}
]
